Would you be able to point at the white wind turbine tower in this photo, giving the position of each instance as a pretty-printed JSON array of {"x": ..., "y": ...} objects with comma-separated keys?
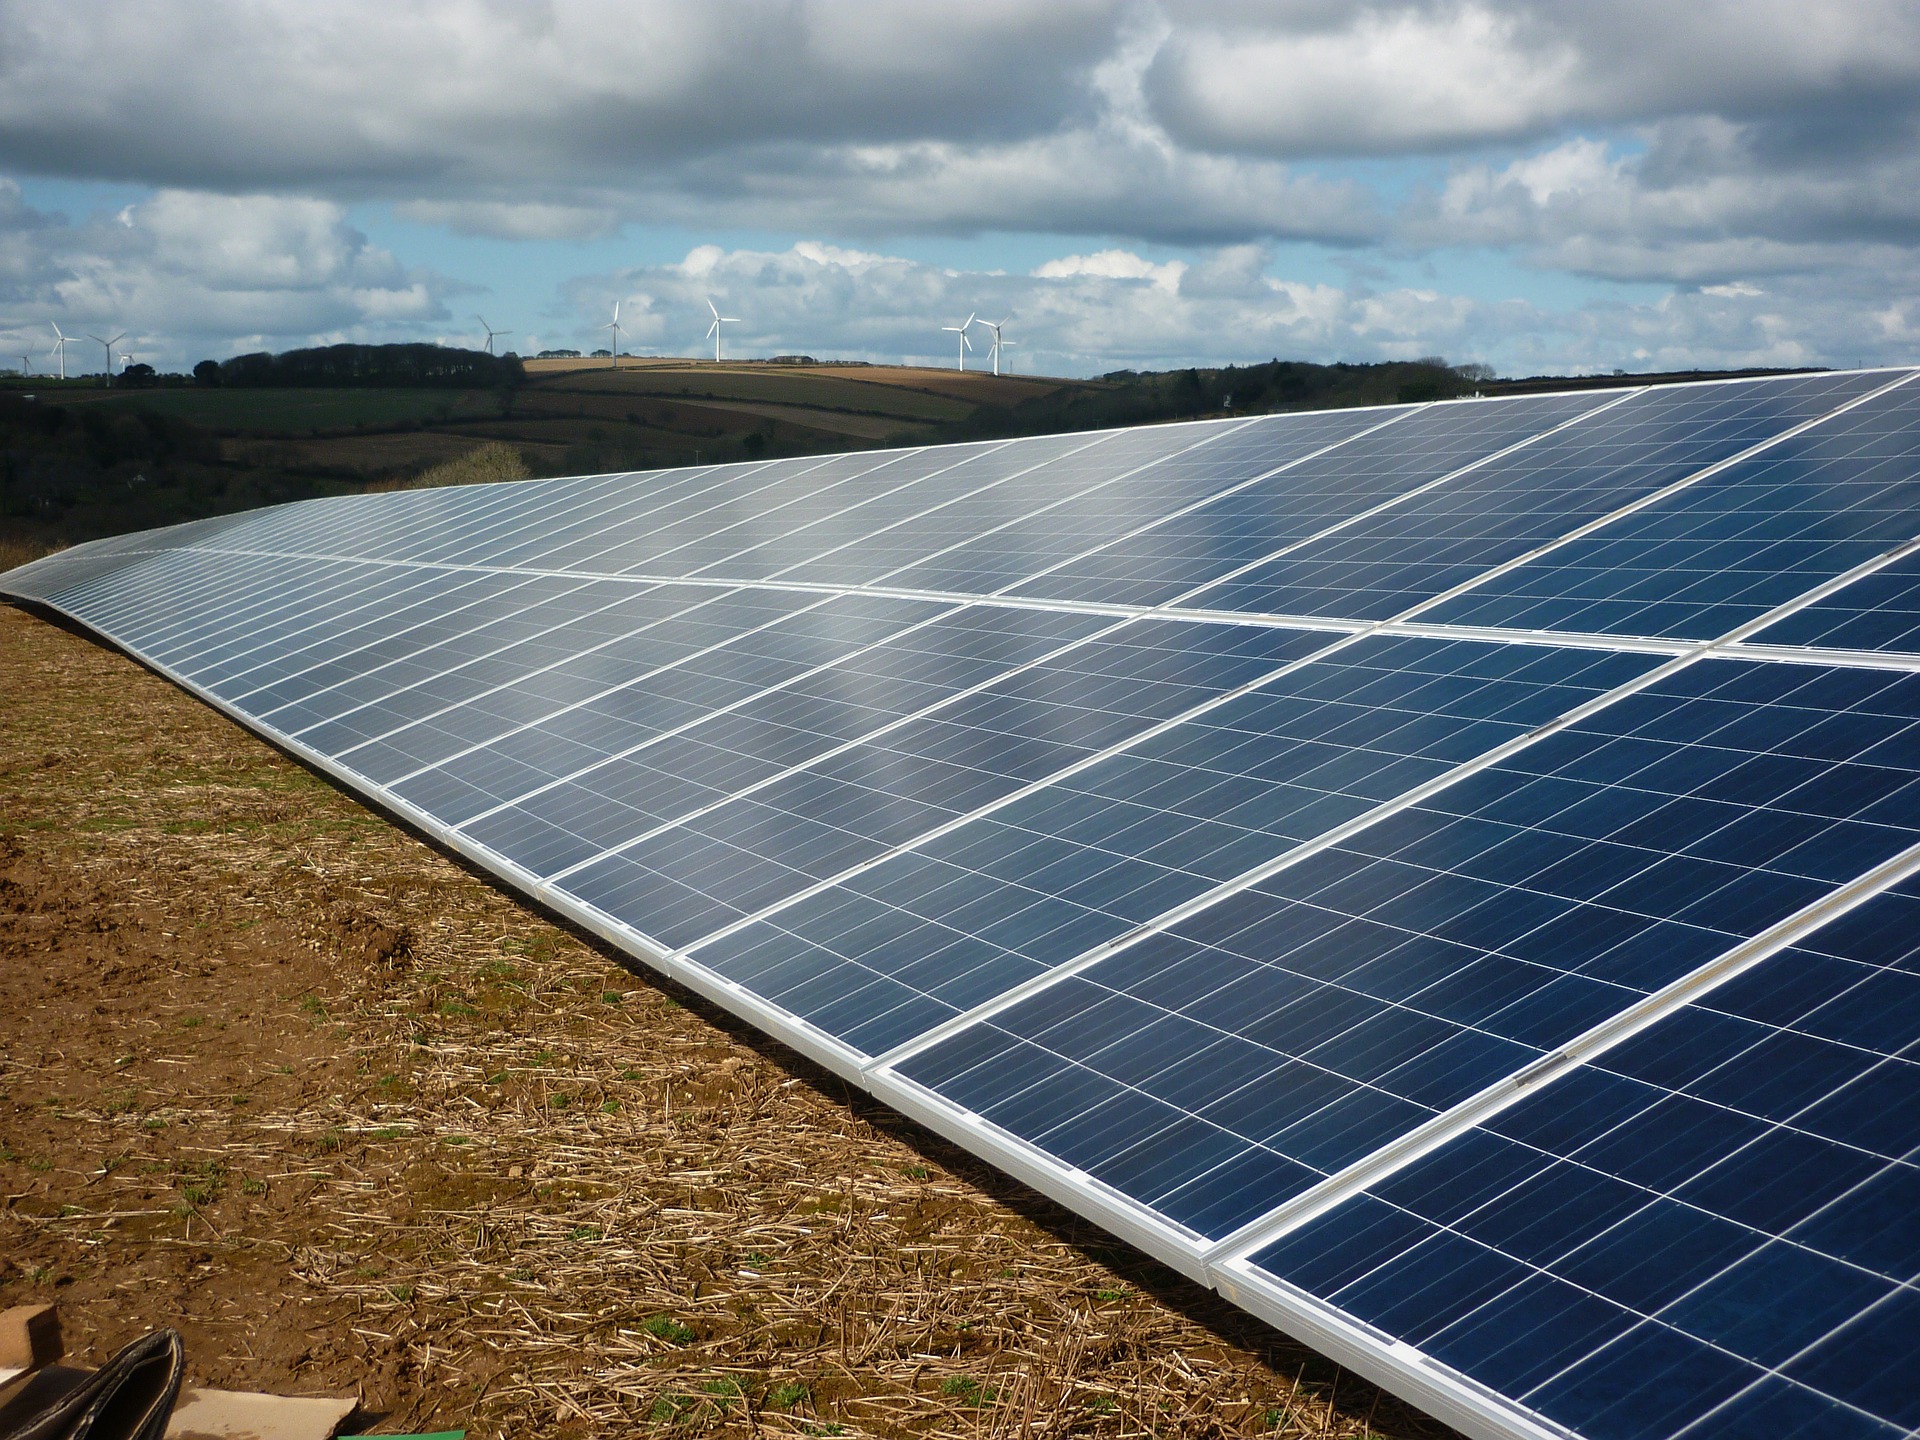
[
  {"x": 60, "y": 349},
  {"x": 26, "y": 363},
  {"x": 713, "y": 330},
  {"x": 614, "y": 326},
  {"x": 997, "y": 341},
  {"x": 965, "y": 344},
  {"x": 107, "y": 345},
  {"x": 491, "y": 332}
]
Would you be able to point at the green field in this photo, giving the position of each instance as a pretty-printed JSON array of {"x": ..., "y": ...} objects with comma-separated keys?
[
  {"x": 777, "y": 387},
  {"x": 283, "y": 412}
]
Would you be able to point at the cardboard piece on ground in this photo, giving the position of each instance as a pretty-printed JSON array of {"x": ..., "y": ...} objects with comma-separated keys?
[
  {"x": 29, "y": 1337},
  {"x": 29, "y": 1340},
  {"x": 246, "y": 1415}
]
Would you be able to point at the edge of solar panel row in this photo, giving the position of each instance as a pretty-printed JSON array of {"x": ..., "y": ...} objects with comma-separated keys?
[{"x": 1251, "y": 833}]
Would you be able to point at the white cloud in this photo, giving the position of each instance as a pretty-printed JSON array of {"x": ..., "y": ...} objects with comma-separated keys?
[
  {"x": 1090, "y": 313},
  {"x": 1698, "y": 146},
  {"x": 1368, "y": 78},
  {"x": 1113, "y": 265},
  {"x": 188, "y": 274}
]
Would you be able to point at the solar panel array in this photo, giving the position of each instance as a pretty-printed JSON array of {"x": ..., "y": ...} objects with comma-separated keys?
[{"x": 1444, "y": 875}]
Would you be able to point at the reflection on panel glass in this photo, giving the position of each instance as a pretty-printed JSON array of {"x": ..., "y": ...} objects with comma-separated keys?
[
  {"x": 1225, "y": 1064},
  {"x": 1417, "y": 550},
  {"x": 958, "y": 920},
  {"x": 1224, "y": 536},
  {"x": 853, "y": 807},
  {"x": 1716, "y": 1224},
  {"x": 1729, "y": 548},
  {"x": 1880, "y": 611}
]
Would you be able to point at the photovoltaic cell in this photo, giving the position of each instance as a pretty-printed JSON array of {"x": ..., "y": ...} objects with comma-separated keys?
[
  {"x": 557, "y": 820},
  {"x": 1045, "y": 539},
  {"x": 1190, "y": 549},
  {"x": 1006, "y": 896},
  {"x": 1733, "y": 546},
  {"x": 1226, "y": 1063},
  {"x": 1713, "y": 1229},
  {"x": 1880, "y": 611},
  {"x": 1184, "y": 916},
  {"x": 759, "y": 848},
  {"x": 1498, "y": 512}
]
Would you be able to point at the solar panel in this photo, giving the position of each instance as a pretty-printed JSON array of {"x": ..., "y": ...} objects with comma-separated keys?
[
  {"x": 1712, "y": 1225},
  {"x": 1441, "y": 874}
]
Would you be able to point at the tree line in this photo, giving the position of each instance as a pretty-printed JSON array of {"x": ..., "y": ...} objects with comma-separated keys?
[{"x": 409, "y": 366}]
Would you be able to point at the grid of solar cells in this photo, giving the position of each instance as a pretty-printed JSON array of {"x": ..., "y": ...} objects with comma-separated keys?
[
  {"x": 1880, "y": 611},
  {"x": 536, "y": 516},
  {"x": 548, "y": 801},
  {"x": 726, "y": 863},
  {"x": 1041, "y": 539},
  {"x": 701, "y": 656},
  {"x": 1418, "y": 550},
  {"x": 1722, "y": 552},
  {"x": 1004, "y": 897},
  {"x": 1712, "y": 1230},
  {"x": 867, "y": 555},
  {"x": 1217, "y": 1068},
  {"x": 877, "y": 813},
  {"x": 821, "y": 507},
  {"x": 1191, "y": 548},
  {"x": 490, "y": 668},
  {"x": 757, "y": 536}
]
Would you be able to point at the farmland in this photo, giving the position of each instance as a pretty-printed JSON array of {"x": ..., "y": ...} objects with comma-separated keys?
[{"x": 81, "y": 460}]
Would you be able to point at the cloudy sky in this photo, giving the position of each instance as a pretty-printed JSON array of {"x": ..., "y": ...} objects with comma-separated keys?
[{"x": 1544, "y": 187}]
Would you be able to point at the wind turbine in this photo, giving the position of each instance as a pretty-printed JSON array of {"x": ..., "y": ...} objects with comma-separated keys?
[
  {"x": 491, "y": 332},
  {"x": 60, "y": 349},
  {"x": 614, "y": 326},
  {"x": 713, "y": 330},
  {"x": 107, "y": 345},
  {"x": 965, "y": 344},
  {"x": 26, "y": 363},
  {"x": 997, "y": 341}
]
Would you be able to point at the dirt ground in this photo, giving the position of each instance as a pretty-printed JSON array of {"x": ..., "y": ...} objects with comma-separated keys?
[{"x": 278, "y": 1073}]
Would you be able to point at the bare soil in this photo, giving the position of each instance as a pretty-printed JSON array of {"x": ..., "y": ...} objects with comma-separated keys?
[{"x": 278, "y": 1073}]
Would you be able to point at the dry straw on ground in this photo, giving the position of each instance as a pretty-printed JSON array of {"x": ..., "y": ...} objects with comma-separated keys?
[{"x": 275, "y": 1071}]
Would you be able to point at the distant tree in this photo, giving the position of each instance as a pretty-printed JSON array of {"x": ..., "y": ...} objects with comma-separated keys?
[
  {"x": 207, "y": 372},
  {"x": 137, "y": 376},
  {"x": 375, "y": 365}
]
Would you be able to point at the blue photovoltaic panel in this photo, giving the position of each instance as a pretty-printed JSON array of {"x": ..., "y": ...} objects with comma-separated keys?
[
  {"x": 1037, "y": 539},
  {"x": 1715, "y": 1225},
  {"x": 761, "y": 848},
  {"x": 1004, "y": 897},
  {"x": 1075, "y": 488},
  {"x": 1415, "y": 551},
  {"x": 550, "y": 800},
  {"x": 1167, "y": 560},
  {"x": 1221, "y": 1066},
  {"x": 1880, "y": 611},
  {"x": 1180, "y": 916},
  {"x": 1731, "y": 547}
]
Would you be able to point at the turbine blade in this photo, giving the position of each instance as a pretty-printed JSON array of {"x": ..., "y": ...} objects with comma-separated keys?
[{"x": 711, "y": 306}]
